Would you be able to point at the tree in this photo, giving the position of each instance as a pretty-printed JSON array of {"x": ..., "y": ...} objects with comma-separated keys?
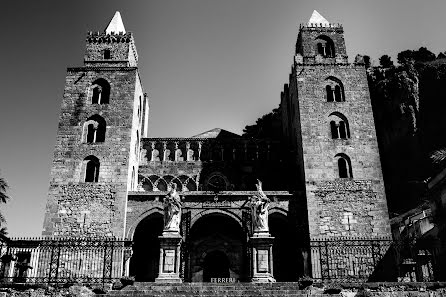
[
  {"x": 367, "y": 61},
  {"x": 268, "y": 126},
  {"x": 421, "y": 55},
  {"x": 385, "y": 61},
  {"x": 424, "y": 55},
  {"x": 3, "y": 199},
  {"x": 405, "y": 56}
]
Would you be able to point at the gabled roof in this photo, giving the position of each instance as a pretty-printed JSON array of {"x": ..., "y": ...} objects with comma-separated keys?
[
  {"x": 116, "y": 25},
  {"x": 317, "y": 18},
  {"x": 217, "y": 133}
]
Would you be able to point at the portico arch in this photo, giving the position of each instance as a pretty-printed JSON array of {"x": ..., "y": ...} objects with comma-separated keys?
[
  {"x": 206, "y": 212},
  {"x": 216, "y": 239},
  {"x": 285, "y": 252},
  {"x": 145, "y": 259}
]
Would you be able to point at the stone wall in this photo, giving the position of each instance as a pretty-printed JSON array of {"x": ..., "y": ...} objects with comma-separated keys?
[{"x": 307, "y": 44}]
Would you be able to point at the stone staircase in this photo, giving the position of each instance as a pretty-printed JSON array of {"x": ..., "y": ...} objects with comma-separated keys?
[{"x": 210, "y": 289}]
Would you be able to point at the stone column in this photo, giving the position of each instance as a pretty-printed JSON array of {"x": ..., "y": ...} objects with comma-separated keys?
[
  {"x": 262, "y": 257},
  {"x": 169, "y": 266}
]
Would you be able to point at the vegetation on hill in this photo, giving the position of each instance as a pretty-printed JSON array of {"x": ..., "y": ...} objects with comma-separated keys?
[
  {"x": 409, "y": 108},
  {"x": 3, "y": 199}
]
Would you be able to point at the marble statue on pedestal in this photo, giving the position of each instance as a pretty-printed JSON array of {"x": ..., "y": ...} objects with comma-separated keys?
[
  {"x": 172, "y": 210},
  {"x": 259, "y": 209}
]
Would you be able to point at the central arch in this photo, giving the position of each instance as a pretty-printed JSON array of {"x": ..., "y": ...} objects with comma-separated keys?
[{"x": 217, "y": 248}]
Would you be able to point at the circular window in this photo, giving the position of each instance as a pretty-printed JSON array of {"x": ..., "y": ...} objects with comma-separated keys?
[{"x": 216, "y": 182}]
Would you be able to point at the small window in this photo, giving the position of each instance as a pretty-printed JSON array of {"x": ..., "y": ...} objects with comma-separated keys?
[
  {"x": 325, "y": 46},
  {"x": 91, "y": 169},
  {"x": 329, "y": 93},
  {"x": 101, "y": 91},
  {"x": 334, "y": 90},
  {"x": 107, "y": 54},
  {"x": 344, "y": 166},
  {"x": 339, "y": 126},
  {"x": 94, "y": 129}
]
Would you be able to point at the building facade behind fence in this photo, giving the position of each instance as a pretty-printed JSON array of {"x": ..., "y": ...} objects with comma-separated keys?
[{"x": 108, "y": 179}]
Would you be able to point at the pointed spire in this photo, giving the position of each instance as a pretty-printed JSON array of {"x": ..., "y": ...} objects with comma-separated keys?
[
  {"x": 116, "y": 25},
  {"x": 317, "y": 18}
]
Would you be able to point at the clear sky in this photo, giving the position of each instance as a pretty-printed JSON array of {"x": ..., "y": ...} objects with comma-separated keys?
[{"x": 204, "y": 64}]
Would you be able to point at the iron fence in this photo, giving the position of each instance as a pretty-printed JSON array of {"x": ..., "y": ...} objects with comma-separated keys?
[
  {"x": 101, "y": 261},
  {"x": 361, "y": 260},
  {"x": 64, "y": 260}
]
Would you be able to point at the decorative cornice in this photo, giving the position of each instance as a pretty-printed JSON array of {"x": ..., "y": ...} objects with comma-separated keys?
[{"x": 101, "y": 68}]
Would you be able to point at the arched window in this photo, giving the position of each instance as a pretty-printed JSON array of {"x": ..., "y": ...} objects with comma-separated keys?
[
  {"x": 325, "y": 46},
  {"x": 334, "y": 89},
  {"x": 339, "y": 126},
  {"x": 91, "y": 169},
  {"x": 329, "y": 93},
  {"x": 107, "y": 54},
  {"x": 161, "y": 185},
  {"x": 137, "y": 144},
  {"x": 344, "y": 166},
  {"x": 139, "y": 109},
  {"x": 101, "y": 91},
  {"x": 132, "y": 182},
  {"x": 94, "y": 129}
]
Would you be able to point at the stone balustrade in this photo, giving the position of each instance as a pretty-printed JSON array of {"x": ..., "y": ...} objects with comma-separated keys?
[{"x": 207, "y": 149}]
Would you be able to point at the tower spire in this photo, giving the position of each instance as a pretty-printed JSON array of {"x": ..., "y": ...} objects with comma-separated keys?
[
  {"x": 317, "y": 18},
  {"x": 116, "y": 25}
]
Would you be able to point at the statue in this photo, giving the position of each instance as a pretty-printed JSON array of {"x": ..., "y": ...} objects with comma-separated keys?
[
  {"x": 178, "y": 155},
  {"x": 155, "y": 154},
  {"x": 259, "y": 209},
  {"x": 172, "y": 210}
]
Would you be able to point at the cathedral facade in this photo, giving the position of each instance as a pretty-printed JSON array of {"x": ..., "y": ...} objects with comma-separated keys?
[{"x": 324, "y": 179}]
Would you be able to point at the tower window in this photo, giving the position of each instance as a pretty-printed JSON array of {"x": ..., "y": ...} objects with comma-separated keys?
[
  {"x": 107, "y": 54},
  {"x": 334, "y": 90},
  {"x": 339, "y": 126},
  {"x": 94, "y": 129},
  {"x": 325, "y": 46},
  {"x": 329, "y": 93},
  {"x": 344, "y": 166},
  {"x": 91, "y": 169},
  {"x": 101, "y": 91}
]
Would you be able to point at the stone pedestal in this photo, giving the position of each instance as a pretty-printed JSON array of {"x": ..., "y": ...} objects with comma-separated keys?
[
  {"x": 169, "y": 267},
  {"x": 262, "y": 257}
]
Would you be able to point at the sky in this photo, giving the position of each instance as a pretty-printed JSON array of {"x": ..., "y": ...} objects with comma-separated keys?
[{"x": 204, "y": 64}]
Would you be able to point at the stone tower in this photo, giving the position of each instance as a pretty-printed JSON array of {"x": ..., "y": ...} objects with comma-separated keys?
[
  {"x": 328, "y": 121},
  {"x": 104, "y": 114}
]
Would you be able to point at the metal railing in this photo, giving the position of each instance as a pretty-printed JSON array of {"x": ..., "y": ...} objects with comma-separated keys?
[
  {"x": 361, "y": 260},
  {"x": 102, "y": 261},
  {"x": 64, "y": 260}
]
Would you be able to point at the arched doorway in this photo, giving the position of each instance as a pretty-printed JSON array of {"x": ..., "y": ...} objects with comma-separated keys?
[
  {"x": 146, "y": 248},
  {"x": 217, "y": 249},
  {"x": 215, "y": 265},
  {"x": 285, "y": 249}
]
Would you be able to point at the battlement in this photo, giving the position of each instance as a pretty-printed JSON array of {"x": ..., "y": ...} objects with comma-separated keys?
[
  {"x": 320, "y": 25},
  {"x": 100, "y": 37}
]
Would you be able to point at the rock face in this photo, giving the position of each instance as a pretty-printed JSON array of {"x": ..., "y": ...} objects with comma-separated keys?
[{"x": 409, "y": 117}]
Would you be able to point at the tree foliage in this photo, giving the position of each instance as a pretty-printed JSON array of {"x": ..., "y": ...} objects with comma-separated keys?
[
  {"x": 420, "y": 55},
  {"x": 367, "y": 61},
  {"x": 267, "y": 126},
  {"x": 385, "y": 61},
  {"x": 3, "y": 199}
]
